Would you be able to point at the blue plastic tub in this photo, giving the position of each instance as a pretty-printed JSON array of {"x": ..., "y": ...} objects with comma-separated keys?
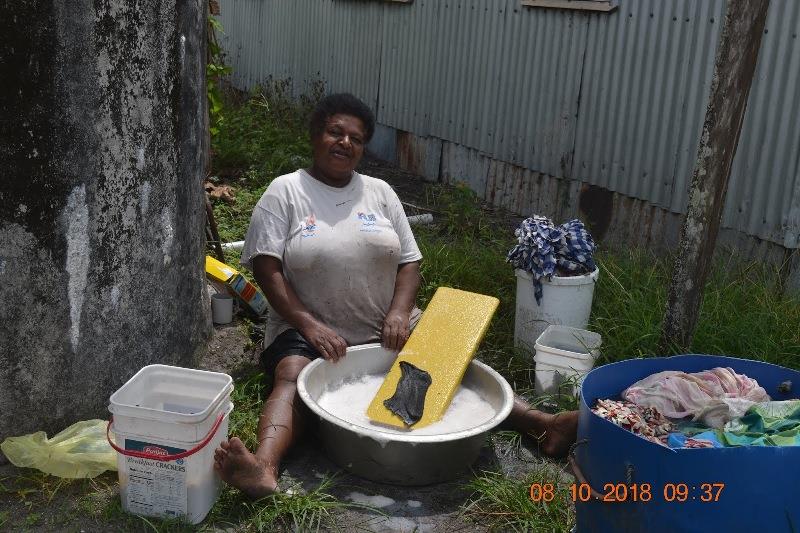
[{"x": 761, "y": 489}]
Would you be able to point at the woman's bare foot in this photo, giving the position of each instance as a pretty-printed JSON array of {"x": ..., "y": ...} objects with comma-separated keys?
[
  {"x": 561, "y": 433},
  {"x": 243, "y": 470},
  {"x": 554, "y": 433}
]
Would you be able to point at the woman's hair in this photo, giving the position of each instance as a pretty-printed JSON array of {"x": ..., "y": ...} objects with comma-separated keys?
[{"x": 345, "y": 104}]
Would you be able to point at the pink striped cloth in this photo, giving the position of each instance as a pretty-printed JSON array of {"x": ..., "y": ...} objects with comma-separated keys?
[{"x": 712, "y": 397}]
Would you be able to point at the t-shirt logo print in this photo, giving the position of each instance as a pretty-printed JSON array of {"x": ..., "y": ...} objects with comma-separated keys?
[
  {"x": 308, "y": 228},
  {"x": 368, "y": 222}
]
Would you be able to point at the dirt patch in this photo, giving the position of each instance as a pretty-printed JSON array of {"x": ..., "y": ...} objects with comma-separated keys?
[
  {"x": 408, "y": 186},
  {"x": 233, "y": 349}
]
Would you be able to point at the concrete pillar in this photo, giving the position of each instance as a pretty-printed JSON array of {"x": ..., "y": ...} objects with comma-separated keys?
[{"x": 102, "y": 114}]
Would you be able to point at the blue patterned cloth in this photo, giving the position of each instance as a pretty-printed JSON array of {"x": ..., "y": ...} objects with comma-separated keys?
[{"x": 543, "y": 248}]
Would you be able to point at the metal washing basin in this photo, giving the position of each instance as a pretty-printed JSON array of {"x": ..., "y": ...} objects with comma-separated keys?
[{"x": 387, "y": 457}]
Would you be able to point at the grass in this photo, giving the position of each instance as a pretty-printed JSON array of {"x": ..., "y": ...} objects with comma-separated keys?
[
  {"x": 98, "y": 501},
  {"x": 263, "y": 137},
  {"x": 743, "y": 314},
  {"x": 313, "y": 510},
  {"x": 506, "y": 504}
]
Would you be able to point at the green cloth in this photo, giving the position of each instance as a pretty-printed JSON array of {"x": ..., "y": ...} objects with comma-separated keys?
[{"x": 765, "y": 424}]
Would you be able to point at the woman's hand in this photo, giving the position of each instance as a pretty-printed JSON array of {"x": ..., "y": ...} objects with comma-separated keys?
[
  {"x": 395, "y": 329},
  {"x": 268, "y": 272},
  {"x": 330, "y": 345}
]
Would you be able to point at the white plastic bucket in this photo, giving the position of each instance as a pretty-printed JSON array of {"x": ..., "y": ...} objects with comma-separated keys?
[
  {"x": 167, "y": 422},
  {"x": 221, "y": 308},
  {"x": 564, "y": 354},
  {"x": 566, "y": 301}
]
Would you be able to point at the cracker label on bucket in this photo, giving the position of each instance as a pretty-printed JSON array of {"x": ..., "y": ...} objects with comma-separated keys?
[{"x": 155, "y": 488}]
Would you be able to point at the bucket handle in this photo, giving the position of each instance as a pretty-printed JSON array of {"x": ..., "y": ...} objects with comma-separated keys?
[
  {"x": 573, "y": 463},
  {"x": 169, "y": 457}
]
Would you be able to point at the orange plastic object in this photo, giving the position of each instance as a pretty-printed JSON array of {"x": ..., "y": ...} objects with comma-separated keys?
[{"x": 443, "y": 344}]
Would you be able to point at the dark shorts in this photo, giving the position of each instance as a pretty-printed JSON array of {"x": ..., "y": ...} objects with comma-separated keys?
[{"x": 290, "y": 342}]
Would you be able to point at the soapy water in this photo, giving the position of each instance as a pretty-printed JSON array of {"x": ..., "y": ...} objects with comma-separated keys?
[{"x": 349, "y": 400}]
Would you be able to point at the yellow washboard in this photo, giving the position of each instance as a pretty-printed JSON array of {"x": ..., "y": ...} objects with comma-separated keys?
[{"x": 442, "y": 344}]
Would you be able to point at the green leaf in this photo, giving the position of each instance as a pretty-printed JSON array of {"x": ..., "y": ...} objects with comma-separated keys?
[{"x": 215, "y": 24}]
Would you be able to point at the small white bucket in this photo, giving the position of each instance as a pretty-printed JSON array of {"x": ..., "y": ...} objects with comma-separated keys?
[
  {"x": 221, "y": 308},
  {"x": 566, "y": 300},
  {"x": 167, "y": 422},
  {"x": 564, "y": 353}
]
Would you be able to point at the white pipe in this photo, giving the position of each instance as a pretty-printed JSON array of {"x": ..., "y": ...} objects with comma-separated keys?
[
  {"x": 238, "y": 245},
  {"x": 419, "y": 220}
]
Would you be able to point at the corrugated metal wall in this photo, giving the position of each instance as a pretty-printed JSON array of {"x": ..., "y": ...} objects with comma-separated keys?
[{"x": 615, "y": 100}]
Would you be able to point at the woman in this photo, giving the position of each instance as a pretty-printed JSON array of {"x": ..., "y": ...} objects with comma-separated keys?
[{"x": 334, "y": 254}]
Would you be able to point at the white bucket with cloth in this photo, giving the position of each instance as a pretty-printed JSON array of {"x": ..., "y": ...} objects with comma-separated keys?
[
  {"x": 564, "y": 354},
  {"x": 167, "y": 422},
  {"x": 566, "y": 300}
]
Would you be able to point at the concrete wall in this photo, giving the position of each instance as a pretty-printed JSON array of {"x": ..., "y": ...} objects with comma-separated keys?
[{"x": 102, "y": 114}]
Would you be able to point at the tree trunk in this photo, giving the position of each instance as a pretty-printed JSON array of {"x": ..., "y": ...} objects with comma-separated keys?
[{"x": 734, "y": 68}]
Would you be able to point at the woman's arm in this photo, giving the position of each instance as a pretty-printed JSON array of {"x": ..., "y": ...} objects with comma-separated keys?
[
  {"x": 268, "y": 272},
  {"x": 396, "y": 324}
]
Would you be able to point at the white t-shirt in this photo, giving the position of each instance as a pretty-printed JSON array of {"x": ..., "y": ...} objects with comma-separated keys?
[{"x": 339, "y": 247}]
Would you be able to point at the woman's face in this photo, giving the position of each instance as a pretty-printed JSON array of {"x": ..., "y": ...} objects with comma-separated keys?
[{"x": 338, "y": 149}]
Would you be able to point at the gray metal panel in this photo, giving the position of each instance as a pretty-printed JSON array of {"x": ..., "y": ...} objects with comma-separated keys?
[
  {"x": 460, "y": 164},
  {"x": 615, "y": 100},
  {"x": 506, "y": 81},
  {"x": 704, "y": 24},
  {"x": 763, "y": 189},
  {"x": 307, "y": 41},
  {"x": 384, "y": 143},
  {"x": 408, "y": 50},
  {"x": 338, "y": 43},
  {"x": 256, "y": 41},
  {"x": 645, "y": 82}
]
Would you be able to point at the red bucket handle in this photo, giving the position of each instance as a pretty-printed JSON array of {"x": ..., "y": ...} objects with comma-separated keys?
[{"x": 173, "y": 457}]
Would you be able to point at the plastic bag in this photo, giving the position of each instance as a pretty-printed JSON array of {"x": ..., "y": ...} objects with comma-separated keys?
[{"x": 79, "y": 451}]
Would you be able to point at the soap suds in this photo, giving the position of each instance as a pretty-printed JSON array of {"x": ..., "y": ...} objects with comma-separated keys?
[
  {"x": 374, "y": 501},
  {"x": 349, "y": 401}
]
